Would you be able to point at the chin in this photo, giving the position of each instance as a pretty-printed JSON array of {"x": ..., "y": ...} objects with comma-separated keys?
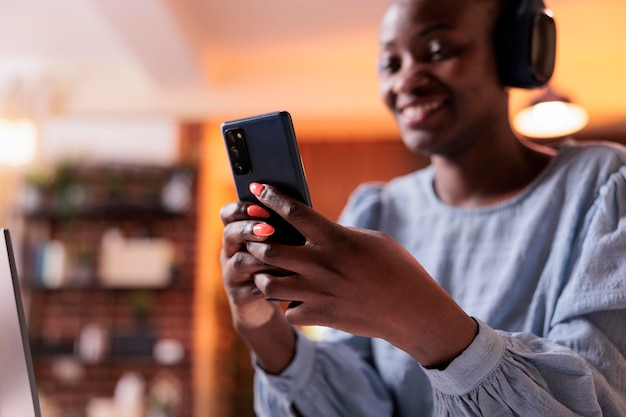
[{"x": 424, "y": 143}]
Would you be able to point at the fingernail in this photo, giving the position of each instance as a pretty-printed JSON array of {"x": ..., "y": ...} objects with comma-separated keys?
[
  {"x": 256, "y": 188},
  {"x": 262, "y": 230},
  {"x": 257, "y": 211}
]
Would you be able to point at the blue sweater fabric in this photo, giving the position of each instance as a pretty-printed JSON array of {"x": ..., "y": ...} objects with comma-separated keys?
[{"x": 544, "y": 274}]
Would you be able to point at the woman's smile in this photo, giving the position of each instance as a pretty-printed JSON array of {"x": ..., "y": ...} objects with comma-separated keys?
[{"x": 417, "y": 114}]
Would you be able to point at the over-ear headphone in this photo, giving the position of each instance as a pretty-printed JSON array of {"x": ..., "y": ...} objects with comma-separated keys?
[{"x": 525, "y": 39}]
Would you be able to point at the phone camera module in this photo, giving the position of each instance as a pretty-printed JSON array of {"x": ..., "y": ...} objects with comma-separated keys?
[{"x": 237, "y": 151}]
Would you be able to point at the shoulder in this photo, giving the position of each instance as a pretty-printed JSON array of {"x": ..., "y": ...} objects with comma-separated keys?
[
  {"x": 593, "y": 155},
  {"x": 587, "y": 165},
  {"x": 596, "y": 281},
  {"x": 365, "y": 203}
]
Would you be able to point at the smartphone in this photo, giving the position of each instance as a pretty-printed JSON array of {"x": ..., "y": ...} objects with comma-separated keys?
[{"x": 264, "y": 149}]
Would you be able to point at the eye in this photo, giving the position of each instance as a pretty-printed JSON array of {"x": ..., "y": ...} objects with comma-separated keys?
[
  {"x": 438, "y": 51},
  {"x": 389, "y": 65}
]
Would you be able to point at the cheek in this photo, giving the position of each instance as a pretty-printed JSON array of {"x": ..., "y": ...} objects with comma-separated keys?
[
  {"x": 385, "y": 92},
  {"x": 473, "y": 82},
  {"x": 482, "y": 72}
]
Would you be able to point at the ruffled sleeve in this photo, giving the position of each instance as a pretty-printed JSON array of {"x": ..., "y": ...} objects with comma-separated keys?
[
  {"x": 519, "y": 374},
  {"x": 324, "y": 379},
  {"x": 598, "y": 277},
  {"x": 579, "y": 367},
  {"x": 363, "y": 207}
]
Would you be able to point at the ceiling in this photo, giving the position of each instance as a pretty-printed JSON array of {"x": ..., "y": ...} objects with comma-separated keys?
[{"x": 219, "y": 59}]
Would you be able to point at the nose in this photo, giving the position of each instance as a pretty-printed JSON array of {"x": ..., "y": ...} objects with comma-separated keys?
[{"x": 410, "y": 78}]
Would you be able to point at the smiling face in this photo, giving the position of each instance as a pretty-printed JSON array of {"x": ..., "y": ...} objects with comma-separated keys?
[{"x": 438, "y": 74}]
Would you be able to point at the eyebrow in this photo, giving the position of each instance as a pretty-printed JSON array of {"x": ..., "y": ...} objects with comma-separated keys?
[
  {"x": 433, "y": 28},
  {"x": 424, "y": 32}
]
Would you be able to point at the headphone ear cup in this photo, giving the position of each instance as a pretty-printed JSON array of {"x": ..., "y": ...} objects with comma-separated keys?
[{"x": 525, "y": 44}]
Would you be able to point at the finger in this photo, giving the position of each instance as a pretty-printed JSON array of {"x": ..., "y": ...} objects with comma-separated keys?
[
  {"x": 239, "y": 284},
  {"x": 241, "y": 266},
  {"x": 244, "y": 265},
  {"x": 281, "y": 288},
  {"x": 240, "y": 210},
  {"x": 288, "y": 258},
  {"x": 306, "y": 220},
  {"x": 237, "y": 233},
  {"x": 307, "y": 314},
  {"x": 238, "y": 272}
]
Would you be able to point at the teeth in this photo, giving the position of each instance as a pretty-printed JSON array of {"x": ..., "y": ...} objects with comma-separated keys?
[{"x": 420, "y": 110}]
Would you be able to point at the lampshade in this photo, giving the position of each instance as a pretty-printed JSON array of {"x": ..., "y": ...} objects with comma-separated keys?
[{"x": 550, "y": 116}]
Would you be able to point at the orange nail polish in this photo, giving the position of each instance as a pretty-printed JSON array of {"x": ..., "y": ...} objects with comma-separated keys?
[
  {"x": 256, "y": 188},
  {"x": 257, "y": 211},
  {"x": 262, "y": 230}
]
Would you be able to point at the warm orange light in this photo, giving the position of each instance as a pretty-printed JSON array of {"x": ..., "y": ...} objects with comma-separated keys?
[
  {"x": 215, "y": 189},
  {"x": 18, "y": 141},
  {"x": 550, "y": 119}
]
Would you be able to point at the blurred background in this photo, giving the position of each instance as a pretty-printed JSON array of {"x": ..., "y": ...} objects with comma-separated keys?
[{"x": 113, "y": 170}]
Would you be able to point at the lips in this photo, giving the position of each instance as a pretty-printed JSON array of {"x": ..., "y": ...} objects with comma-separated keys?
[{"x": 417, "y": 113}]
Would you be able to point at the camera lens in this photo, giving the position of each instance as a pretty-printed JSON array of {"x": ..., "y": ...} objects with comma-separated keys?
[
  {"x": 234, "y": 152},
  {"x": 241, "y": 168},
  {"x": 230, "y": 136}
]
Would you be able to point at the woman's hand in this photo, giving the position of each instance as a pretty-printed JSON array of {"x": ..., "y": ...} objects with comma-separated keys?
[
  {"x": 258, "y": 321},
  {"x": 356, "y": 280},
  {"x": 249, "y": 306}
]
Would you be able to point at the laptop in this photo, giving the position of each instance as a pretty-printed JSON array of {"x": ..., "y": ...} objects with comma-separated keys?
[{"x": 18, "y": 391}]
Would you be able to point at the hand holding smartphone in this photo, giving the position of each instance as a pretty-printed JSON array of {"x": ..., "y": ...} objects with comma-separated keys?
[{"x": 264, "y": 149}]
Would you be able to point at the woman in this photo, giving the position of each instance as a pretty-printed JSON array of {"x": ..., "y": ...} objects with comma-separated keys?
[{"x": 494, "y": 282}]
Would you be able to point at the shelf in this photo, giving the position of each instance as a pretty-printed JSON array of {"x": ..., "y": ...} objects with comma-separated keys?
[
  {"x": 126, "y": 360},
  {"x": 88, "y": 233},
  {"x": 116, "y": 211},
  {"x": 76, "y": 288},
  {"x": 122, "y": 348}
]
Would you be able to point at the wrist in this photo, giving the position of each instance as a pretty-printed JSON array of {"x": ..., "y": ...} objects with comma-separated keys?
[
  {"x": 273, "y": 341},
  {"x": 436, "y": 334},
  {"x": 463, "y": 338},
  {"x": 449, "y": 343},
  {"x": 252, "y": 315}
]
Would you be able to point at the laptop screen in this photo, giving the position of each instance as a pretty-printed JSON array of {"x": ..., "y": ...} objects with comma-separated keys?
[{"x": 18, "y": 391}]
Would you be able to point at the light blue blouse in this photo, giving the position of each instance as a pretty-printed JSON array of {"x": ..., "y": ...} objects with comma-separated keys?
[{"x": 544, "y": 274}]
